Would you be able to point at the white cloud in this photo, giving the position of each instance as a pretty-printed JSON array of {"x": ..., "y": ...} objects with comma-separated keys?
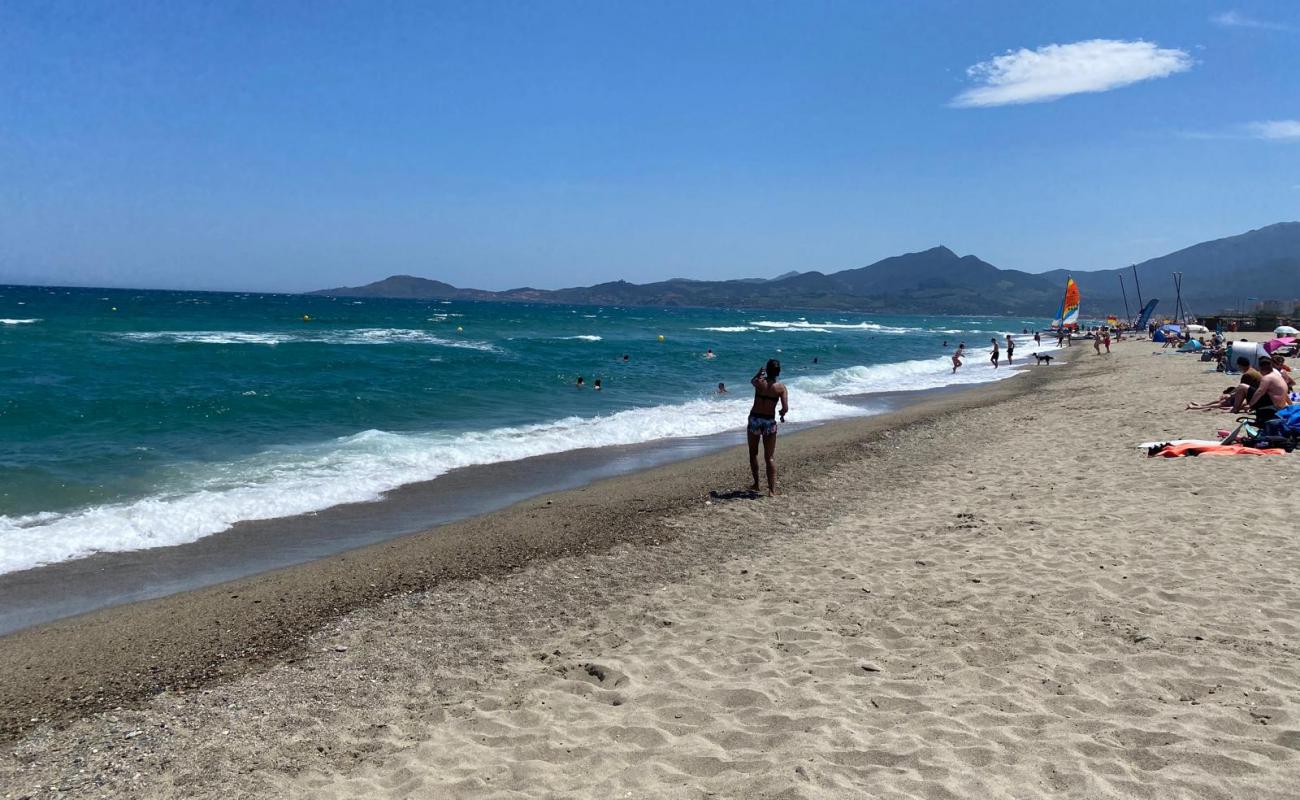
[
  {"x": 1236, "y": 19},
  {"x": 1058, "y": 70},
  {"x": 1286, "y": 130}
]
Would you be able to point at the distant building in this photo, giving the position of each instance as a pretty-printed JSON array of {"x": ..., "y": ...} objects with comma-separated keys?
[{"x": 1276, "y": 306}]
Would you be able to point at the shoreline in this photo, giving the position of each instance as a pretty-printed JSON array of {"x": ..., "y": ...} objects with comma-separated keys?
[
  {"x": 65, "y": 589},
  {"x": 118, "y": 655}
]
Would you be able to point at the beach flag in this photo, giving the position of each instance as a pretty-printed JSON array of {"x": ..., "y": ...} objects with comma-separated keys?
[{"x": 1112, "y": 321}]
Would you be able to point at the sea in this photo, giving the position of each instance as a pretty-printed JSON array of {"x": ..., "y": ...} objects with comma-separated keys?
[{"x": 133, "y": 419}]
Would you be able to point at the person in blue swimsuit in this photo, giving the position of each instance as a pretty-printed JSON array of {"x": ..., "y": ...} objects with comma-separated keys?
[{"x": 768, "y": 391}]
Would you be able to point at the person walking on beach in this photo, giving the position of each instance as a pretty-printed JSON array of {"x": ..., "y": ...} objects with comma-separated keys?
[
  {"x": 1105, "y": 339},
  {"x": 1011, "y": 348},
  {"x": 768, "y": 391},
  {"x": 993, "y": 356},
  {"x": 956, "y": 357}
]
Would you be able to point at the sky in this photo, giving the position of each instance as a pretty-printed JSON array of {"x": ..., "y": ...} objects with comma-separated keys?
[{"x": 294, "y": 146}]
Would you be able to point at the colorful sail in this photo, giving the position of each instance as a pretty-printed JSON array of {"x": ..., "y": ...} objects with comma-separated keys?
[
  {"x": 1067, "y": 316},
  {"x": 1070, "y": 305}
]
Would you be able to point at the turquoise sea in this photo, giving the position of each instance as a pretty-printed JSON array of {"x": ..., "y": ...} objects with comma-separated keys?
[{"x": 138, "y": 419}]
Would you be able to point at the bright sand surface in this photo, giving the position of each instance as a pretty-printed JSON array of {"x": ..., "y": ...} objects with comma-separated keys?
[{"x": 1003, "y": 600}]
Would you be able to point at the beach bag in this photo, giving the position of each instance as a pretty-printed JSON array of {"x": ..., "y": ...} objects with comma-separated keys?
[{"x": 1288, "y": 420}]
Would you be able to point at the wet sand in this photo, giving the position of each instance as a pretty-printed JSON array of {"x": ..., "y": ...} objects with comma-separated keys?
[{"x": 53, "y": 592}]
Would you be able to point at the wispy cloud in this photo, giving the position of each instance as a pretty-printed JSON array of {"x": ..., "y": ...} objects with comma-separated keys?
[
  {"x": 1236, "y": 19},
  {"x": 1274, "y": 130},
  {"x": 1286, "y": 130},
  {"x": 1058, "y": 70}
]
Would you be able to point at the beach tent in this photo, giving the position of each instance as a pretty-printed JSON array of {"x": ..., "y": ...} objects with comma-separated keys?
[
  {"x": 1285, "y": 330},
  {"x": 1190, "y": 346},
  {"x": 1273, "y": 344}
]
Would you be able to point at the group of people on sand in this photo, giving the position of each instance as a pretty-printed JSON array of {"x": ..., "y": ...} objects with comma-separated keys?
[{"x": 1262, "y": 388}]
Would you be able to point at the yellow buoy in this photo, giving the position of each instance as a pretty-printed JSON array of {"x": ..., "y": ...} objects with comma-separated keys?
[
  {"x": 114, "y": 308},
  {"x": 306, "y": 318},
  {"x": 661, "y": 337},
  {"x": 459, "y": 329}
]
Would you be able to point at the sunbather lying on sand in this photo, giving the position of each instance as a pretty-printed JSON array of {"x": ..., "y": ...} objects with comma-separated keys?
[{"x": 1224, "y": 403}]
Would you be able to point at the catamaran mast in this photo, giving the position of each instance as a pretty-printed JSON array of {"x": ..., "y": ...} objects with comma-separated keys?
[
  {"x": 1180, "y": 315},
  {"x": 1127, "y": 317},
  {"x": 1138, "y": 284}
]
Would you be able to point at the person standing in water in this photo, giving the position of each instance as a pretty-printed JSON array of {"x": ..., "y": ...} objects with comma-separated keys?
[
  {"x": 1011, "y": 348},
  {"x": 956, "y": 357},
  {"x": 1038, "y": 337},
  {"x": 768, "y": 391},
  {"x": 993, "y": 356}
]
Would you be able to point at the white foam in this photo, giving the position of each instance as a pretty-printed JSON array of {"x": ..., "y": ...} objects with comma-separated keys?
[
  {"x": 205, "y": 499},
  {"x": 728, "y": 329},
  {"x": 285, "y": 481},
  {"x": 352, "y": 336},
  {"x": 825, "y": 327},
  {"x": 903, "y": 376},
  {"x": 586, "y": 337},
  {"x": 18, "y": 321}
]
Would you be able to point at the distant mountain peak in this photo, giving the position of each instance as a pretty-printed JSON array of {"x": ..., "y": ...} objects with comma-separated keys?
[{"x": 1264, "y": 262}]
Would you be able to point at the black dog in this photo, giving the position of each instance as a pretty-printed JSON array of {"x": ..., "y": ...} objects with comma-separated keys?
[{"x": 1044, "y": 359}]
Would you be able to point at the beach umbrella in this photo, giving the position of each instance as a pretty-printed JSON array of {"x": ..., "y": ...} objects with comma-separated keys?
[
  {"x": 1273, "y": 344},
  {"x": 1285, "y": 330}
]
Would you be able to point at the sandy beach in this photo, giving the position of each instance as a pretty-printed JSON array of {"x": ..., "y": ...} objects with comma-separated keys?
[{"x": 989, "y": 594}]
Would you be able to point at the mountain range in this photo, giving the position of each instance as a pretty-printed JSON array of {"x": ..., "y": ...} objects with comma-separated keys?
[{"x": 1219, "y": 274}]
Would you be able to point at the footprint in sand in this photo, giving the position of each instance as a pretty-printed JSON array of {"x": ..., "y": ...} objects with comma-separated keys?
[{"x": 596, "y": 682}]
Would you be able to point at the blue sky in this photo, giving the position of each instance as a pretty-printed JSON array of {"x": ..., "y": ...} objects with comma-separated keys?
[{"x": 283, "y": 146}]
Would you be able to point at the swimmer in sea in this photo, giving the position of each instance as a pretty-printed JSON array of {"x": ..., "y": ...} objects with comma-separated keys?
[
  {"x": 581, "y": 383},
  {"x": 596, "y": 385},
  {"x": 768, "y": 391},
  {"x": 722, "y": 388},
  {"x": 709, "y": 353}
]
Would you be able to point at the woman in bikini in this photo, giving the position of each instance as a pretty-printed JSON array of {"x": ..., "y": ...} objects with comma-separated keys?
[{"x": 768, "y": 391}]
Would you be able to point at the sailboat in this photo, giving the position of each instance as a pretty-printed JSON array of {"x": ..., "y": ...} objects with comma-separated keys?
[{"x": 1068, "y": 314}]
